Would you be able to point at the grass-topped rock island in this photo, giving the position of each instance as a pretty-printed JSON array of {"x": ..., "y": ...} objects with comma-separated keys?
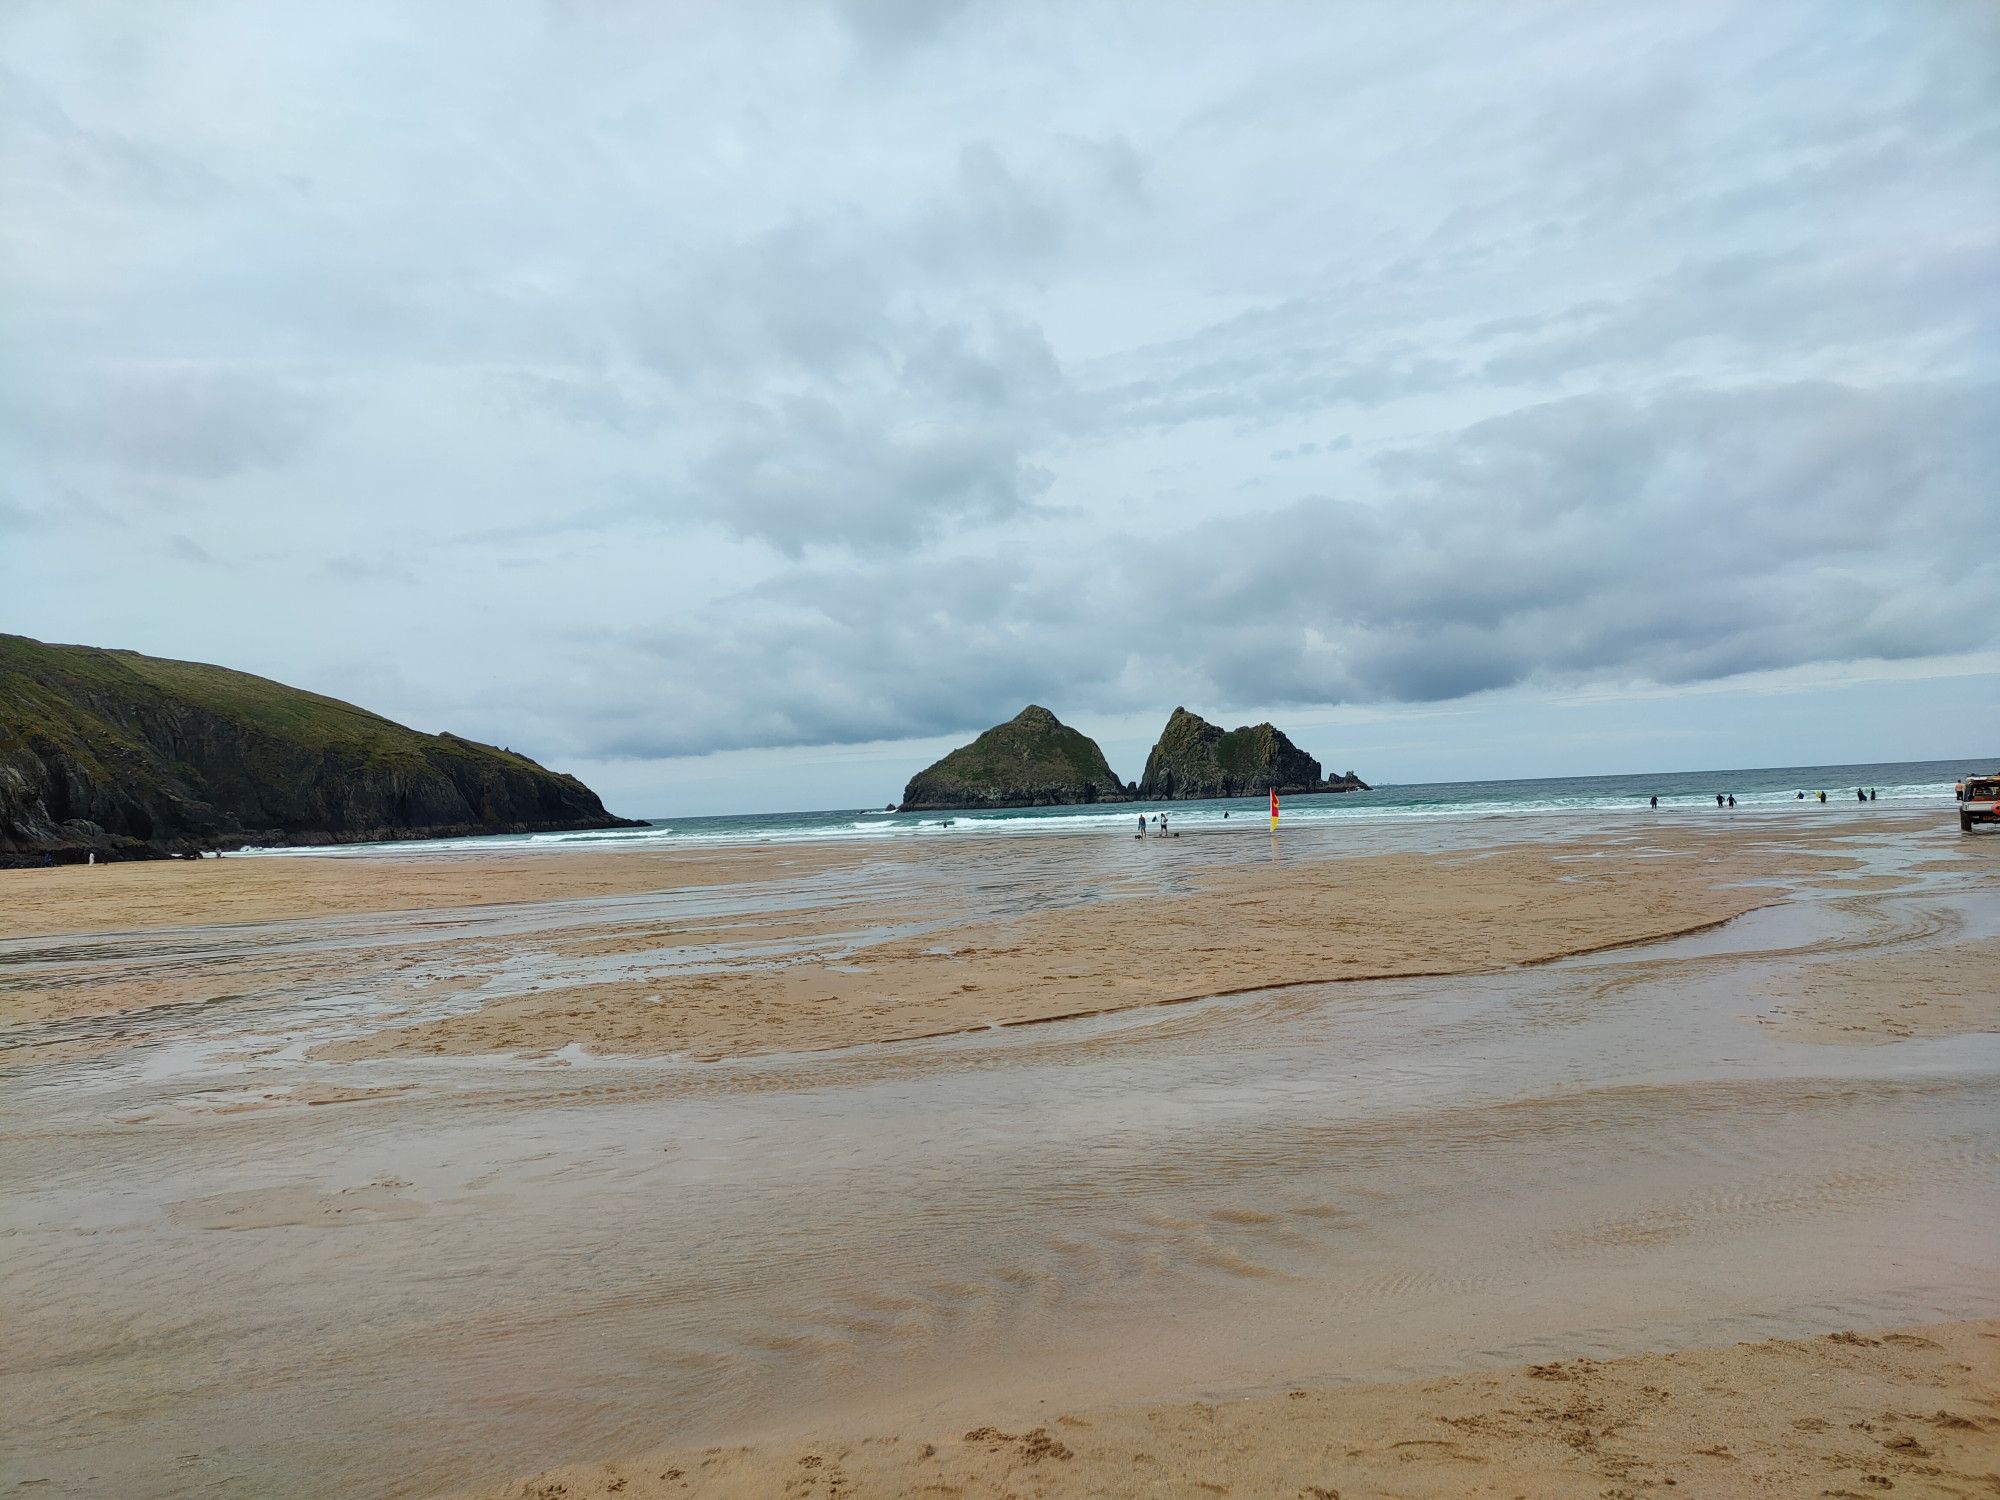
[
  {"x": 1194, "y": 759},
  {"x": 1033, "y": 760},
  {"x": 1036, "y": 760}
]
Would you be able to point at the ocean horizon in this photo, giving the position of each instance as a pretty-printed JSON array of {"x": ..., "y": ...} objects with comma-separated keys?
[{"x": 1758, "y": 790}]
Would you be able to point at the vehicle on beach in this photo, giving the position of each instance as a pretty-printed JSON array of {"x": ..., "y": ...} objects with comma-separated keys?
[{"x": 1980, "y": 802}]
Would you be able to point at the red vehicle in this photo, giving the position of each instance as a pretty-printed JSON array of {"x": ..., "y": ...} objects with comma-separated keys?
[{"x": 1979, "y": 802}]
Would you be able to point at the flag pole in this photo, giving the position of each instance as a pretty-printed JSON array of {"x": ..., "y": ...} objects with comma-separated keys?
[{"x": 1274, "y": 809}]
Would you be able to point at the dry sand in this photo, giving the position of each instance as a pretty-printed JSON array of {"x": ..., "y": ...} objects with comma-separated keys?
[{"x": 1914, "y": 1412}]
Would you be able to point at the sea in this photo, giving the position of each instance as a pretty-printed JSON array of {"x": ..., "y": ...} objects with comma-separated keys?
[{"x": 1768, "y": 790}]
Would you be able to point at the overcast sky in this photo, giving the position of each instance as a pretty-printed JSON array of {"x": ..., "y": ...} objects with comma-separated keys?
[{"x": 736, "y": 405}]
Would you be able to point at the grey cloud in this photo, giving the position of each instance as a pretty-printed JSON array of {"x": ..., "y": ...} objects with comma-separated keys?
[
  {"x": 168, "y": 420},
  {"x": 829, "y": 404},
  {"x": 1770, "y": 303},
  {"x": 895, "y": 25},
  {"x": 103, "y": 161},
  {"x": 932, "y": 429},
  {"x": 1698, "y": 535}
]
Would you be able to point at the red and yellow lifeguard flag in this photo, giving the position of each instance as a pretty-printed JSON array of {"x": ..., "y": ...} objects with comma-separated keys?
[{"x": 1274, "y": 809}]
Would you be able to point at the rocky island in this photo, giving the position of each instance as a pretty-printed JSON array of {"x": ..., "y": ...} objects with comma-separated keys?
[
  {"x": 136, "y": 757},
  {"x": 1033, "y": 760},
  {"x": 1194, "y": 758}
]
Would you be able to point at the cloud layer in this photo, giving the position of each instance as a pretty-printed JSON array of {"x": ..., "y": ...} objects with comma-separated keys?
[{"x": 623, "y": 384}]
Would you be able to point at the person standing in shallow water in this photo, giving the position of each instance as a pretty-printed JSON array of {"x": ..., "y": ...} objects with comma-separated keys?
[
  {"x": 1654, "y": 800},
  {"x": 1142, "y": 825}
]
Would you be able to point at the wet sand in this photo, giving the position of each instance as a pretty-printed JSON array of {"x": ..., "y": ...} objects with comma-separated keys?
[
  {"x": 685, "y": 954},
  {"x": 145, "y": 894},
  {"x": 251, "y": 1249},
  {"x": 1916, "y": 1411},
  {"x": 1944, "y": 988}
]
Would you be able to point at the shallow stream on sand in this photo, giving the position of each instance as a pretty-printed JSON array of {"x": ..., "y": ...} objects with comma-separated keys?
[{"x": 215, "y": 1287}]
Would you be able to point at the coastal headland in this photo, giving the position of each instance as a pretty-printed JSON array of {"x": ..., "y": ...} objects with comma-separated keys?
[
  {"x": 1546, "y": 1152},
  {"x": 114, "y": 755}
]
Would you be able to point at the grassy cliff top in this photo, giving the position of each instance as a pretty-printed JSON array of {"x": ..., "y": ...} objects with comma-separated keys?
[
  {"x": 1033, "y": 739},
  {"x": 1034, "y": 750},
  {"x": 71, "y": 697}
]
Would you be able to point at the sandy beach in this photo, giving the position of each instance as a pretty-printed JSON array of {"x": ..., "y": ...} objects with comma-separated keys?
[
  {"x": 860, "y": 946},
  {"x": 1035, "y": 1165},
  {"x": 1915, "y": 1411}
]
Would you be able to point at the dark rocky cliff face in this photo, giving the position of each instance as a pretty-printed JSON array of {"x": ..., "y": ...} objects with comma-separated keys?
[
  {"x": 132, "y": 756},
  {"x": 1033, "y": 760},
  {"x": 1194, "y": 758}
]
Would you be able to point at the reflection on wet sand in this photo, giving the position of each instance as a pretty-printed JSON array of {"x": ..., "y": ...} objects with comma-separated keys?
[{"x": 409, "y": 1274}]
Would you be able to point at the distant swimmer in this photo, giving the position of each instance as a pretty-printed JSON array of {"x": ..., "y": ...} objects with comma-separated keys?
[
  {"x": 1802, "y": 796},
  {"x": 1871, "y": 798},
  {"x": 1732, "y": 799},
  {"x": 1718, "y": 799},
  {"x": 1859, "y": 795},
  {"x": 1822, "y": 796},
  {"x": 1655, "y": 801}
]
